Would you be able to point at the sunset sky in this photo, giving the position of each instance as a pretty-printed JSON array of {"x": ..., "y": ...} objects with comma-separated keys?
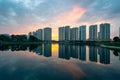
[{"x": 23, "y": 16}]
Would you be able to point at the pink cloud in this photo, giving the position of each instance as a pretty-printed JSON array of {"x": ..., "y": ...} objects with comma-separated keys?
[{"x": 70, "y": 17}]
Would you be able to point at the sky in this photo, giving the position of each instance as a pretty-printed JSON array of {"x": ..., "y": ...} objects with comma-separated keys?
[{"x": 24, "y": 16}]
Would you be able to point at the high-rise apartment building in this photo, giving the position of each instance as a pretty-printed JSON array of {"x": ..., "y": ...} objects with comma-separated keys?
[
  {"x": 105, "y": 31},
  {"x": 64, "y": 33},
  {"x": 82, "y": 33},
  {"x": 74, "y": 34},
  {"x": 47, "y": 34},
  {"x": 93, "y": 32}
]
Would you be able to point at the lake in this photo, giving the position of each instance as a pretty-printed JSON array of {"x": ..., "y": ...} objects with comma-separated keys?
[{"x": 58, "y": 62}]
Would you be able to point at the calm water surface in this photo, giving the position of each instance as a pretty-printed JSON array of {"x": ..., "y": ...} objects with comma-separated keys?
[{"x": 58, "y": 62}]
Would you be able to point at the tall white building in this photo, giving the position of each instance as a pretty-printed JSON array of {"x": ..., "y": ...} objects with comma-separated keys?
[
  {"x": 39, "y": 34},
  {"x": 47, "y": 34},
  {"x": 93, "y": 32},
  {"x": 74, "y": 34},
  {"x": 67, "y": 33},
  {"x": 105, "y": 31},
  {"x": 82, "y": 33},
  {"x": 64, "y": 33},
  {"x": 61, "y": 33}
]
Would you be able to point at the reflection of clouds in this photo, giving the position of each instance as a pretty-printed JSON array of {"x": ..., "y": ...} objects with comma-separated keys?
[
  {"x": 75, "y": 70},
  {"x": 27, "y": 65}
]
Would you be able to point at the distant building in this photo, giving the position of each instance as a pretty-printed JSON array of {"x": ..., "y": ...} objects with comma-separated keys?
[
  {"x": 39, "y": 34},
  {"x": 105, "y": 32},
  {"x": 64, "y": 33},
  {"x": 93, "y": 32},
  {"x": 82, "y": 33},
  {"x": 67, "y": 33},
  {"x": 61, "y": 33},
  {"x": 74, "y": 34},
  {"x": 47, "y": 34}
]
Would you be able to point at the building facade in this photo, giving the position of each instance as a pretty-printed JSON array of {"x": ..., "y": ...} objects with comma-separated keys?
[
  {"x": 64, "y": 33},
  {"x": 39, "y": 34},
  {"x": 82, "y": 33},
  {"x": 93, "y": 32},
  {"x": 67, "y": 33},
  {"x": 104, "y": 32},
  {"x": 74, "y": 34},
  {"x": 47, "y": 34}
]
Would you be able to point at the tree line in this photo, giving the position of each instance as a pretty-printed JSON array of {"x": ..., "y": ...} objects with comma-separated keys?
[{"x": 18, "y": 38}]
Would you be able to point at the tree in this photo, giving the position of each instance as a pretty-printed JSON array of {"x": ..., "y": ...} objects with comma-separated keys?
[
  {"x": 4, "y": 38},
  {"x": 116, "y": 39},
  {"x": 33, "y": 39}
]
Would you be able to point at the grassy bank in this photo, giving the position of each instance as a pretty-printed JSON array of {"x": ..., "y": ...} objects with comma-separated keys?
[{"x": 117, "y": 44}]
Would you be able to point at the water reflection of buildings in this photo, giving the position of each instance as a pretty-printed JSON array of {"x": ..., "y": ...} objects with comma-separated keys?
[
  {"x": 64, "y": 51},
  {"x": 41, "y": 49},
  {"x": 67, "y": 51},
  {"x": 74, "y": 51},
  {"x": 38, "y": 50},
  {"x": 82, "y": 53},
  {"x": 104, "y": 55},
  {"x": 93, "y": 53},
  {"x": 44, "y": 49},
  {"x": 47, "y": 50},
  {"x": 79, "y": 52}
]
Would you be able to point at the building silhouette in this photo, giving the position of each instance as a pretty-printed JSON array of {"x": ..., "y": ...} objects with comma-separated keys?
[
  {"x": 82, "y": 33},
  {"x": 61, "y": 33},
  {"x": 67, "y": 33},
  {"x": 104, "y": 33},
  {"x": 64, "y": 33},
  {"x": 93, "y": 32},
  {"x": 74, "y": 34},
  {"x": 38, "y": 34},
  {"x": 47, "y": 34}
]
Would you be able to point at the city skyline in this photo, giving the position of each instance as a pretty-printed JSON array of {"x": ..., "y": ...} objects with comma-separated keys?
[
  {"x": 24, "y": 16},
  {"x": 66, "y": 33}
]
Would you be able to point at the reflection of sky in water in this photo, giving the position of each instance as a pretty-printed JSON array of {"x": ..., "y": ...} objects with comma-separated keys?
[{"x": 25, "y": 65}]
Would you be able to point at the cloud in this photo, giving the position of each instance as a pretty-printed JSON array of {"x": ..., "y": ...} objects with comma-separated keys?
[
  {"x": 70, "y": 17},
  {"x": 28, "y": 15},
  {"x": 101, "y": 10}
]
